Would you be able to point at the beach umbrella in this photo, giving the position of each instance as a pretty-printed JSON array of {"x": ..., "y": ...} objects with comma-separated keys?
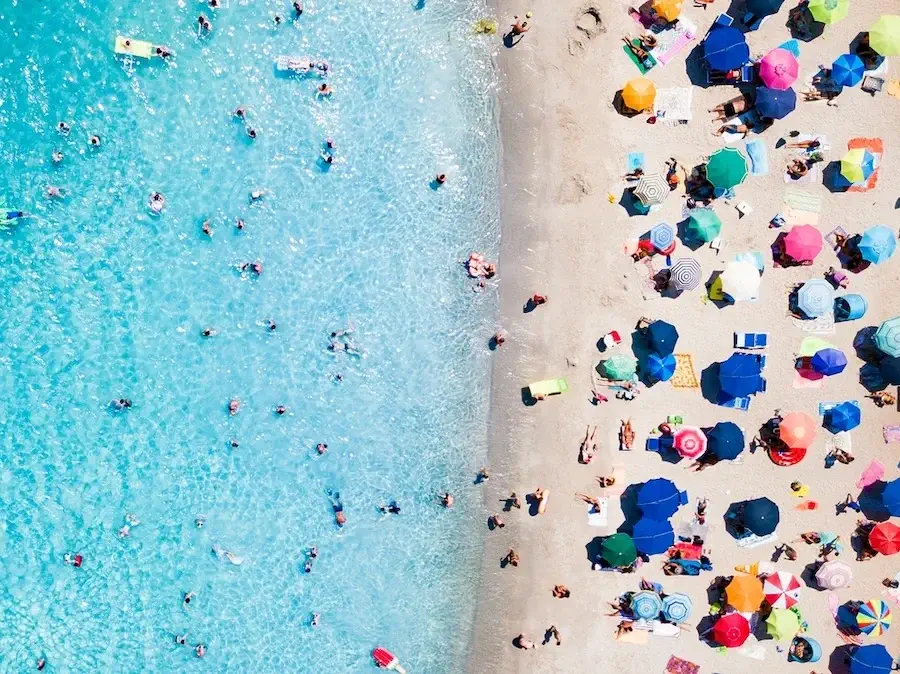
[
  {"x": 652, "y": 189},
  {"x": 661, "y": 368},
  {"x": 829, "y": 11},
  {"x": 685, "y": 274},
  {"x": 731, "y": 630},
  {"x": 890, "y": 497},
  {"x": 761, "y": 8},
  {"x": 725, "y": 48},
  {"x": 659, "y": 498},
  {"x": 725, "y": 440},
  {"x": 778, "y": 69},
  {"x": 857, "y": 165},
  {"x": 677, "y": 607},
  {"x": 726, "y": 168},
  {"x": 652, "y": 537},
  {"x": 690, "y": 442},
  {"x": 887, "y": 337},
  {"x": 618, "y": 550},
  {"x": 834, "y": 575},
  {"x": 884, "y": 35},
  {"x": 662, "y": 337},
  {"x": 797, "y": 430},
  {"x": 848, "y": 70},
  {"x": 843, "y": 417},
  {"x": 803, "y": 243},
  {"x": 885, "y": 538},
  {"x": 877, "y": 244},
  {"x": 774, "y": 103},
  {"x": 744, "y": 593},
  {"x": 828, "y": 362},
  {"x": 740, "y": 375},
  {"x": 703, "y": 225},
  {"x": 761, "y": 516},
  {"x": 667, "y": 9},
  {"x": 740, "y": 280},
  {"x": 874, "y": 618},
  {"x": 782, "y": 624},
  {"x": 662, "y": 236},
  {"x": 646, "y": 605},
  {"x": 638, "y": 94},
  {"x": 889, "y": 369},
  {"x": 815, "y": 298},
  {"x": 754, "y": 257},
  {"x": 619, "y": 367},
  {"x": 871, "y": 659},
  {"x": 782, "y": 589}
]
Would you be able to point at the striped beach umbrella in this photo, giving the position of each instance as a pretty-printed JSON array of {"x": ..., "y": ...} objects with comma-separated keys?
[
  {"x": 874, "y": 618},
  {"x": 731, "y": 630},
  {"x": 740, "y": 280},
  {"x": 690, "y": 442},
  {"x": 887, "y": 337},
  {"x": 646, "y": 605},
  {"x": 726, "y": 168},
  {"x": 877, "y": 244},
  {"x": 884, "y": 35},
  {"x": 815, "y": 298},
  {"x": 685, "y": 274},
  {"x": 829, "y": 11},
  {"x": 677, "y": 607},
  {"x": 848, "y": 70},
  {"x": 834, "y": 575},
  {"x": 797, "y": 430},
  {"x": 857, "y": 165},
  {"x": 652, "y": 189},
  {"x": 662, "y": 236},
  {"x": 782, "y": 589}
]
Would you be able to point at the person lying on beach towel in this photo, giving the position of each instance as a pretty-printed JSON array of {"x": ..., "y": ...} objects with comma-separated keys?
[
  {"x": 731, "y": 108},
  {"x": 646, "y": 42}
]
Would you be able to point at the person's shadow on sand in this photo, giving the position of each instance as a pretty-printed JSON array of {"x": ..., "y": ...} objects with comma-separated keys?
[{"x": 510, "y": 40}]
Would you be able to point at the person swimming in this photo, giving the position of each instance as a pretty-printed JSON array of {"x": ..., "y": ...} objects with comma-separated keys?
[
  {"x": 157, "y": 203},
  {"x": 327, "y": 158},
  {"x": 256, "y": 195},
  {"x": 390, "y": 509},
  {"x": 256, "y": 267},
  {"x": 200, "y": 521},
  {"x": 63, "y": 129},
  {"x": 209, "y": 332},
  {"x": 251, "y": 132},
  {"x": 181, "y": 639},
  {"x": 95, "y": 141},
  {"x": 240, "y": 224},
  {"x": 200, "y": 650},
  {"x": 337, "y": 506},
  {"x": 54, "y": 192},
  {"x": 121, "y": 404},
  {"x": 324, "y": 89},
  {"x": 240, "y": 112},
  {"x": 298, "y": 8},
  {"x": 234, "y": 406},
  {"x": 163, "y": 51},
  {"x": 188, "y": 597},
  {"x": 203, "y": 25},
  {"x": 56, "y": 156},
  {"x": 207, "y": 228},
  {"x": 221, "y": 553},
  {"x": 271, "y": 326}
]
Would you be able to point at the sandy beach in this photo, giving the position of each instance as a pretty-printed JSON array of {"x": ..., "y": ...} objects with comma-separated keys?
[{"x": 564, "y": 150}]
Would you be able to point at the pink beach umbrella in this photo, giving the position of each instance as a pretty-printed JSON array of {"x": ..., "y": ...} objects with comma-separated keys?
[
  {"x": 779, "y": 69},
  {"x": 690, "y": 442},
  {"x": 803, "y": 243}
]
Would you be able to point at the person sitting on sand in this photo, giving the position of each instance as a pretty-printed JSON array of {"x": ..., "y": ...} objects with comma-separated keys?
[
  {"x": 521, "y": 642},
  {"x": 561, "y": 592},
  {"x": 731, "y": 108},
  {"x": 605, "y": 481},
  {"x": 588, "y": 446},
  {"x": 500, "y": 337},
  {"x": 496, "y": 522},
  {"x": 623, "y": 628},
  {"x": 797, "y": 169},
  {"x": 511, "y": 558},
  {"x": 541, "y": 495},
  {"x": 637, "y": 174},
  {"x": 672, "y": 178}
]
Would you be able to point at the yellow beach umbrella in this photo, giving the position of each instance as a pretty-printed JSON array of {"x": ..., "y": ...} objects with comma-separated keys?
[
  {"x": 829, "y": 11},
  {"x": 855, "y": 165},
  {"x": 884, "y": 35},
  {"x": 667, "y": 9},
  {"x": 639, "y": 94}
]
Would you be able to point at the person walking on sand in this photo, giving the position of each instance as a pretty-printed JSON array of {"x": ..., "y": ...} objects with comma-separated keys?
[
  {"x": 552, "y": 633},
  {"x": 511, "y": 558}
]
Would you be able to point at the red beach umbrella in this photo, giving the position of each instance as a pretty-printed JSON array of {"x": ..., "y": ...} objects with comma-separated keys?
[
  {"x": 803, "y": 243},
  {"x": 731, "y": 630},
  {"x": 690, "y": 442},
  {"x": 797, "y": 430},
  {"x": 885, "y": 538},
  {"x": 782, "y": 589}
]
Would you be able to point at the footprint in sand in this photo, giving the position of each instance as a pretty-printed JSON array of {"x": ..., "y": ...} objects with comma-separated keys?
[{"x": 588, "y": 25}]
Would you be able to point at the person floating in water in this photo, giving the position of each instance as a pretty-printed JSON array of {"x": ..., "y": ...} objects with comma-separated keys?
[
  {"x": 256, "y": 195},
  {"x": 63, "y": 129},
  {"x": 298, "y": 9},
  {"x": 234, "y": 406},
  {"x": 209, "y": 332},
  {"x": 95, "y": 140},
  {"x": 256, "y": 267},
  {"x": 163, "y": 52},
  {"x": 121, "y": 404},
  {"x": 13, "y": 215},
  {"x": 337, "y": 506},
  {"x": 200, "y": 650},
  {"x": 54, "y": 192},
  {"x": 188, "y": 597},
  {"x": 73, "y": 559},
  {"x": 391, "y": 508},
  {"x": 203, "y": 25},
  {"x": 157, "y": 203},
  {"x": 131, "y": 520},
  {"x": 324, "y": 90},
  {"x": 56, "y": 157}
]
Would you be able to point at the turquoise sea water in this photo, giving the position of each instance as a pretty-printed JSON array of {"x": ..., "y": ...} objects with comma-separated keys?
[{"x": 99, "y": 300}]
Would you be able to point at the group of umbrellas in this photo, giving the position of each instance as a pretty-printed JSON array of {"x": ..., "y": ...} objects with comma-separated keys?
[
  {"x": 661, "y": 338},
  {"x": 746, "y": 594},
  {"x": 649, "y": 605}
]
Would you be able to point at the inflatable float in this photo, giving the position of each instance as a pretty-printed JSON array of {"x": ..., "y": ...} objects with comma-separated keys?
[
  {"x": 387, "y": 660},
  {"x": 128, "y": 47}
]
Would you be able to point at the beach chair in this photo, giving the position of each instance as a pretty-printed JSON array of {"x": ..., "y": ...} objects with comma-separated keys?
[
  {"x": 548, "y": 387},
  {"x": 723, "y": 20},
  {"x": 742, "y": 404},
  {"x": 754, "y": 541},
  {"x": 751, "y": 340},
  {"x": 654, "y": 445}
]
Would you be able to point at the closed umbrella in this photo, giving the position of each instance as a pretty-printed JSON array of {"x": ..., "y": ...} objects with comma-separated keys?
[
  {"x": 740, "y": 280},
  {"x": 726, "y": 168},
  {"x": 620, "y": 366},
  {"x": 685, "y": 274},
  {"x": 778, "y": 69},
  {"x": 834, "y": 575},
  {"x": 731, "y": 630},
  {"x": 871, "y": 659},
  {"x": 774, "y": 103},
  {"x": 740, "y": 375},
  {"x": 662, "y": 236},
  {"x": 659, "y": 498},
  {"x": 667, "y": 9},
  {"x": 618, "y": 550},
  {"x": 652, "y": 537},
  {"x": 646, "y": 605},
  {"x": 797, "y": 430},
  {"x": 761, "y": 516},
  {"x": 857, "y": 165},
  {"x": 677, "y": 607},
  {"x": 761, "y": 8},
  {"x": 803, "y": 243},
  {"x": 662, "y": 337},
  {"x": 782, "y": 624},
  {"x": 744, "y": 593},
  {"x": 884, "y": 35},
  {"x": 690, "y": 442},
  {"x": 703, "y": 225},
  {"x": 725, "y": 440},
  {"x": 843, "y": 417},
  {"x": 725, "y": 48},
  {"x": 848, "y": 70},
  {"x": 828, "y": 362},
  {"x": 885, "y": 538},
  {"x": 782, "y": 589},
  {"x": 890, "y": 497},
  {"x": 815, "y": 298},
  {"x": 874, "y": 618},
  {"x": 877, "y": 244},
  {"x": 887, "y": 337},
  {"x": 652, "y": 189},
  {"x": 638, "y": 94},
  {"x": 829, "y": 11},
  {"x": 661, "y": 368}
]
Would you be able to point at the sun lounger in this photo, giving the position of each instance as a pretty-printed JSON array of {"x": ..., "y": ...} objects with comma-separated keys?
[
  {"x": 751, "y": 340},
  {"x": 753, "y": 541},
  {"x": 548, "y": 387},
  {"x": 742, "y": 404}
]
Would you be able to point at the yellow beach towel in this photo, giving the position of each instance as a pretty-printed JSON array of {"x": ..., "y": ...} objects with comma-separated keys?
[{"x": 685, "y": 375}]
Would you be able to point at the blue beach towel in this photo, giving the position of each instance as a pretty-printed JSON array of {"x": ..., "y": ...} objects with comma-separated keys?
[
  {"x": 759, "y": 158},
  {"x": 792, "y": 46},
  {"x": 635, "y": 161}
]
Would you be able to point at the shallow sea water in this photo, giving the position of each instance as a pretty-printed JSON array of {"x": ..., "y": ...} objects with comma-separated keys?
[{"x": 99, "y": 300}]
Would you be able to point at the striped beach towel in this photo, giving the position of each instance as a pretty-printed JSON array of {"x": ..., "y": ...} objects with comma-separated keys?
[{"x": 802, "y": 200}]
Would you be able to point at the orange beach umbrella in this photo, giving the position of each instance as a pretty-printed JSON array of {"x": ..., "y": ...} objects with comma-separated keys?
[
  {"x": 667, "y": 9},
  {"x": 639, "y": 94},
  {"x": 745, "y": 593},
  {"x": 797, "y": 430}
]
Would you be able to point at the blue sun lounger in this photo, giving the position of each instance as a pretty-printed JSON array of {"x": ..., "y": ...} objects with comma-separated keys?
[
  {"x": 751, "y": 340},
  {"x": 742, "y": 404}
]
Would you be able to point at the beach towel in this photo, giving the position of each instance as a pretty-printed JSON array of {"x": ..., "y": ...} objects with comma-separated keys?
[
  {"x": 823, "y": 325},
  {"x": 806, "y": 382},
  {"x": 640, "y": 637},
  {"x": 750, "y": 118},
  {"x": 873, "y": 472},
  {"x": 673, "y": 105},
  {"x": 759, "y": 157},
  {"x": 671, "y": 42},
  {"x": 831, "y": 237},
  {"x": 891, "y": 433},
  {"x": 635, "y": 161},
  {"x": 644, "y": 69},
  {"x": 598, "y": 517},
  {"x": 679, "y": 666},
  {"x": 685, "y": 375},
  {"x": 842, "y": 440},
  {"x": 754, "y": 541},
  {"x": 876, "y": 147},
  {"x": 802, "y": 200},
  {"x": 893, "y": 88},
  {"x": 644, "y": 21},
  {"x": 825, "y": 406}
]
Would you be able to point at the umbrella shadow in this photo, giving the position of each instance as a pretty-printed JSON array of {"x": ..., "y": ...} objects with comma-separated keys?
[
  {"x": 870, "y": 58},
  {"x": 846, "y": 619},
  {"x": 632, "y": 205},
  {"x": 864, "y": 344},
  {"x": 696, "y": 67},
  {"x": 832, "y": 178},
  {"x": 705, "y": 631},
  {"x": 871, "y": 502},
  {"x": 630, "y": 510},
  {"x": 802, "y": 25},
  {"x": 709, "y": 383},
  {"x": 527, "y": 399},
  {"x": 718, "y": 304},
  {"x": 871, "y": 379},
  {"x": 641, "y": 350},
  {"x": 808, "y": 575},
  {"x": 689, "y": 241},
  {"x": 620, "y": 107}
]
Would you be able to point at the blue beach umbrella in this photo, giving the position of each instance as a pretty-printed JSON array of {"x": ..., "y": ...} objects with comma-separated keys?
[
  {"x": 843, "y": 417},
  {"x": 891, "y": 497},
  {"x": 661, "y": 337},
  {"x": 662, "y": 236},
  {"x": 652, "y": 537},
  {"x": 659, "y": 498},
  {"x": 725, "y": 48},
  {"x": 739, "y": 376},
  {"x": 889, "y": 368},
  {"x": 828, "y": 362},
  {"x": 848, "y": 70},
  {"x": 677, "y": 607},
  {"x": 774, "y": 103},
  {"x": 646, "y": 605},
  {"x": 877, "y": 244},
  {"x": 725, "y": 440},
  {"x": 761, "y": 8},
  {"x": 661, "y": 368},
  {"x": 815, "y": 298},
  {"x": 887, "y": 337},
  {"x": 761, "y": 516},
  {"x": 871, "y": 659}
]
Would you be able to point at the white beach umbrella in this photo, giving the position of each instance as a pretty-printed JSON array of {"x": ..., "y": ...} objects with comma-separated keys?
[
  {"x": 652, "y": 189},
  {"x": 741, "y": 280},
  {"x": 685, "y": 274}
]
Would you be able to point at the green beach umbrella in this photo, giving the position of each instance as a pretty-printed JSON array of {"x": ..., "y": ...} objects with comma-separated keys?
[
  {"x": 782, "y": 624},
  {"x": 620, "y": 366},
  {"x": 829, "y": 11},
  {"x": 618, "y": 550},
  {"x": 726, "y": 168},
  {"x": 704, "y": 224},
  {"x": 884, "y": 35}
]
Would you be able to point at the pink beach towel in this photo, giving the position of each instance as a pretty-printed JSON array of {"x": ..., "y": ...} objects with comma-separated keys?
[
  {"x": 676, "y": 47},
  {"x": 871, "y": 475},
  {"x": 891, "y": 433},
  {"x": 679, "y": 666}
]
